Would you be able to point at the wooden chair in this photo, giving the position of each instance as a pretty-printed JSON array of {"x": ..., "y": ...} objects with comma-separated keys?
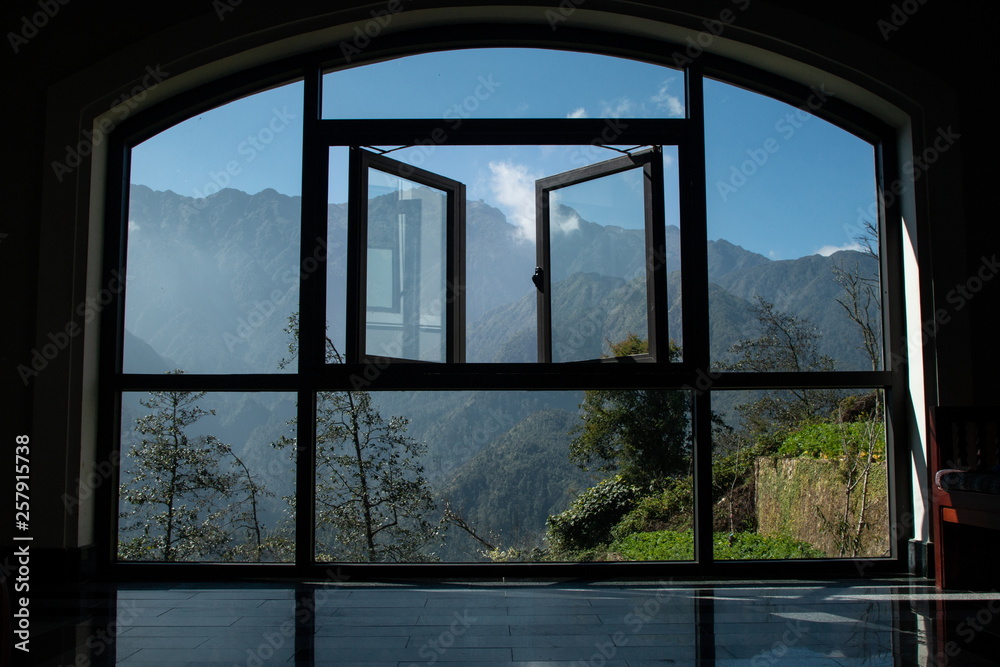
[{"x": 965, "y": 500}]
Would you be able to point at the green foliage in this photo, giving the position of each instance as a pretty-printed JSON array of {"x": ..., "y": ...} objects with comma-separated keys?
[
  {"x": 643, "y": 435},
  {"x": 752, "y": 546},
  {"x": 670, "y": 545},
  {"x": 672, "y": 508},
  {"x": 186, "y": 498},
  {"x": 663, "y": 545},
  {"x": 589, "y": 520},
  {"x": 833, "y": 441}
]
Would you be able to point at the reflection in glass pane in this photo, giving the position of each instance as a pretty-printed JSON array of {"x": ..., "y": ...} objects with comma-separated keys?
[
  {"x": 336, "y": 257},
  {"x": 792, "y": 220},
  {"x": 598, "y": 265},
  {"x": 207, "y": 477},
  {"x": 214, "y": 238},
  {"x": 407, "y": 269},
  {"x": 491, "y": 476},
  {"x": 800, "y": 474}
]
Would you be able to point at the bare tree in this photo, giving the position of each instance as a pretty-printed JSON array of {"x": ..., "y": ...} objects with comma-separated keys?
[
  {"x": 862, "y": 298},
  {"x": 786, "y": 344},
  {"x": 372, "y": 498}
]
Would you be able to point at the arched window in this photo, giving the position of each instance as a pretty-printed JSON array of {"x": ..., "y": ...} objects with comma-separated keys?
[{"x": 505, "y": 305}]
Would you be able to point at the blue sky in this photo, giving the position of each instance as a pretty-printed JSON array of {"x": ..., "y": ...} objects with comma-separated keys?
[{"x": 781, "y": 182}]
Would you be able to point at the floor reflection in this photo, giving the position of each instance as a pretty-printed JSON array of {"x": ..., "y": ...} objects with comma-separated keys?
[{"x": 600, "y": 624}]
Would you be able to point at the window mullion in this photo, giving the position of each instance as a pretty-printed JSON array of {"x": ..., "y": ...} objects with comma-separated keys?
[
  {"x": 312, "y": 324},
  {"x": 357, "y": 265},
  {"x": 543, "y": 274},
  {"x": 657, "y": 302},
  {"x": 694, "y": 286},
  {"x": 456, "y": 275}
]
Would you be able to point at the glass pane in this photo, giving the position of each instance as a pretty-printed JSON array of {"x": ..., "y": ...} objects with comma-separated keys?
[
  {"x": 503, "y": 476},
  {"x": 500, "y": 257},
  {"x": 504, "y": 83},
  {"x": 792, "y": 223},
  {"x": 800, "y": 474},
  {"x": 336, "y": 262},
  {"x": 672, "y": 220},
  {"x": 597, "y": 244},
  {"x": 213, "y": 239},
  {"x": 207, "y": 477},
  {"x": 407, "y": 269}
]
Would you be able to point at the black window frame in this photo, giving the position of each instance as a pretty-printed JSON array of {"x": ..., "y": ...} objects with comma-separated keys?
[
  {"x": 693, "y": 372},
  {"x": 361, "y": 161},
  {"x": 650, "y": 161}
]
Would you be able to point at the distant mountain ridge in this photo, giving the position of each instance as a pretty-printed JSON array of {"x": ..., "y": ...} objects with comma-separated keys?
[
  {"x": 239, "y": 253},
  {"x": 211, "y": 283}
]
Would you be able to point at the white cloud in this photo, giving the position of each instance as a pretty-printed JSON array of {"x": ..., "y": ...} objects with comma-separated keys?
[
  {"x": 577, "y": 113},
  {"x": 664, "y": 100},
  {"x": 621, "y": 108},
  {"x": 828, "y": 250},
  {"x": 514, "y": 188},
  {"x": 133, "y": 225}
]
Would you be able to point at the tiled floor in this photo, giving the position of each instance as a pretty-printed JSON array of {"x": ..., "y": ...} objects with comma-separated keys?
[{"x": 598, "y": 624}]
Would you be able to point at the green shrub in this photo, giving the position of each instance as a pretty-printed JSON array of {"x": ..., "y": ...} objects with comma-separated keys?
[
  {"x": 671, "y": 545},
  {"x": 672, "y": 508},
  {"x": 589, "y": 520},
  {"x": 658, "y": 545},
  {"x": 751, "y": 546},
  {"x": 834, "y": 441}
]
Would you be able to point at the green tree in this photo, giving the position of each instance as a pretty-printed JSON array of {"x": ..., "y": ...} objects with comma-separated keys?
[
  {"x": 644, "y": 435},
  {"x": 188, "y": 498},
  {"x": 372, "y": 498}
]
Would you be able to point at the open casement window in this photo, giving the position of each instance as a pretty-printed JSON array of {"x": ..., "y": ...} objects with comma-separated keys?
[
  {"x": 407, "y": 256},
  {"x": 622, "y": 289}
]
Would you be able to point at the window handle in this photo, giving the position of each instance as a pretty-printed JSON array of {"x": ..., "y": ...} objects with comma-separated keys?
[{"x": 537, "y": 278}]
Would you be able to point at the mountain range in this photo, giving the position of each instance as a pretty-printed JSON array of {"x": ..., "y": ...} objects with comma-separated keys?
[{"x": 212, "y": 282}]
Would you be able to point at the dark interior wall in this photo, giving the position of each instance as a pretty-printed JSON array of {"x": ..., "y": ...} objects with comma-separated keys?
[{"x": 949, "y": 41}]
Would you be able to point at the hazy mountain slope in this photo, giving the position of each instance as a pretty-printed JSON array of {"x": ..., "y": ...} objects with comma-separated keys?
[
  {"x": 511, "y": 487},
  {"x": 457, "y": 425},
  {"x": 806, "y": 288},
  {"x": 210, "y": 283}
]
